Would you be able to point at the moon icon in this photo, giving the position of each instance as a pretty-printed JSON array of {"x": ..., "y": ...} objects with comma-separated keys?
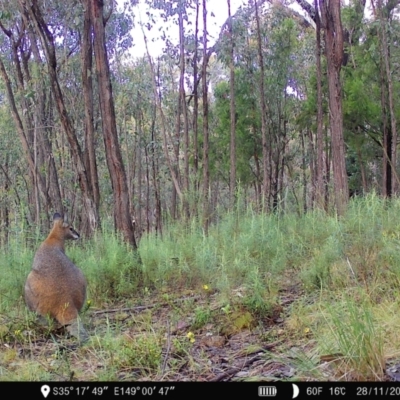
[{"x": 296, "y": 391}]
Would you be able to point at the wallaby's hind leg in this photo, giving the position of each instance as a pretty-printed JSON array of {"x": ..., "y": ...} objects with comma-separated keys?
[
  {"x": 68, "y": 317},
  {"x": 77, "y": 329}
]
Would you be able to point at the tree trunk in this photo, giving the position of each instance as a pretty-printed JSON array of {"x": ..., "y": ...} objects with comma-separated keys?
[
  {"x": 183, "y": 108},
  {"x": 91, "y": 216},
  {"x": 156, "y": 183},
  {"x": 206, "y": 171},
  {"x": 232, "y": 106},
  {"x": 37, "y": 178},
  {"x": 263, "y": 107},
  {"x": 87, "y": 84},
  {"x": 43, "y": 135},
  {"x": 319, "y": 182},
  {"x": 304, "y": 168},
  {"x": 387, "y": 188},
  {"x": 330, "y": 12},
  {"x": 163, "y": 122},
  {"x": 386, "y": 60},
  {"x": 196, "y": 99},
  {"x": 311, "y": 152},
  {"x": 122, "y": 217},
  {"x": 30, "y": 123},
  {"x": 139, "y": 164}
]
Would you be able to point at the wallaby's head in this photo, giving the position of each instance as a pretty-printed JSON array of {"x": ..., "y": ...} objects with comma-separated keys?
[{"x": 62, "y": 230}]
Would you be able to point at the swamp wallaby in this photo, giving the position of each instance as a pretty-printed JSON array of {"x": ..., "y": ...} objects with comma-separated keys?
[{"x": 55, "y": 287}]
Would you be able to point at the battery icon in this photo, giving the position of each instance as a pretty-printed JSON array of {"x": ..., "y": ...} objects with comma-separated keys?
[{"x": 266, "y": 391}]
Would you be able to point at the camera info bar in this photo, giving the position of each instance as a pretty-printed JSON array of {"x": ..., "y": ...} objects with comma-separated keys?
[{"x": 206, "y": 390}]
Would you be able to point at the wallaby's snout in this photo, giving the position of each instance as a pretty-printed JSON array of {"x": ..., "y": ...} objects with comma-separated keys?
[{"x": 55, "y": 286}]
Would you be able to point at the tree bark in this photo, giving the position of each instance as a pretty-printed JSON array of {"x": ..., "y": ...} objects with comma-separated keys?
[
  {"x": 392, "y": 152},
  {"x": 157, "y": 191},
  {"x": 122, "y": 217},
  {"x": 196, "y": 98},
  {"x": 183, "y": 108},
  {"x": 263, "y": 107},
  {"x": 206, "y": 171},
  {"x": 232, "y": 107},
  {"x": 87, "y": 84},
  {"x": 319, "y": 183},
  {"x": 331, "y": 19}
]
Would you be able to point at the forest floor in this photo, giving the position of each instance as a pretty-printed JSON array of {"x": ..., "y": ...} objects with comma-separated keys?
[{"x": 191, "y": 337}]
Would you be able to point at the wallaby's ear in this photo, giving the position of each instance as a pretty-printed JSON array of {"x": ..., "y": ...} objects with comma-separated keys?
[{"x": 56, "y": 216}]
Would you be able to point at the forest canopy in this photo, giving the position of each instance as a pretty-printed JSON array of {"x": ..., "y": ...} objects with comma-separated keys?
[{"x": 291, "y": 106}]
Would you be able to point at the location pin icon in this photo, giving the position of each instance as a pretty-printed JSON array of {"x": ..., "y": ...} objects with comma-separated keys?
[{"x": 45, "y": 389}]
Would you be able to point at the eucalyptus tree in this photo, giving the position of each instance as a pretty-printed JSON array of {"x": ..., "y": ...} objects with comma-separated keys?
[
  {"x": 384, "y": 14},
  {"x": 232, "y": 106},
  {"x": 320, "y": 173},
  {"x": 266, "y": 57},
  {"x": 141, "y": 144},
  {"x": 29, "y": 104},
  {"x": 47, "y": 35},
  {"x": 86, "y": 44},
  {"x": 266, "y": 150},
  {"x": 61, "y": 39},
  {"x": 122, "y": 217},
  {"x": 331, "y": 20},
  {"x": 14, "y": 187},
  {"x": 206, "y": 167}
]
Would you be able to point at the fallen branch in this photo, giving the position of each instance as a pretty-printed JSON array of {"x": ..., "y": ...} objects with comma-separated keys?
[
  {"x": 140, "y": 308},
  {"x": 232, "y": 371},
  {"x": 168, "y": 349}
]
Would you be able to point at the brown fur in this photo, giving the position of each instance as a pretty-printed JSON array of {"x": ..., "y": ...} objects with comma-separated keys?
[{"x": 55, "y": 287}]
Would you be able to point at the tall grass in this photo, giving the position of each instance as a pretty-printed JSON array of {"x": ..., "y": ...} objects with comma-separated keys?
[
  {"x": 248, "y": 249},
  {"x": 356, "y": 339},
  {"x": 248, "y": 258}
]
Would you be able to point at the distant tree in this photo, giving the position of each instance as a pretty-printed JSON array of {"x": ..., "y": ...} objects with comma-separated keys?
[
  {"x": 266, "y": 152},
  {"x": 382, "y": 13},
  {"x": 232, "y": 106},
  {"x": 320, "y": 173},
  {"x": 33, "y": 12},
  {"x": 206, "y": 170}
]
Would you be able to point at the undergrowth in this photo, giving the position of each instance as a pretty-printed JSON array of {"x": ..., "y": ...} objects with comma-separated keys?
[{"x": 331, "y": 283}]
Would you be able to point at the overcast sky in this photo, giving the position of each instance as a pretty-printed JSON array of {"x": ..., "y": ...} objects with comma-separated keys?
[
  {"x": 217, "y": 15},
  {"x": 218, "y": 8}
]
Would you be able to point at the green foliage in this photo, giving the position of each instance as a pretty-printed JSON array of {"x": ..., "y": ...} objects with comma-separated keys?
[
  {"x": 281, "y": 57},
  {"x": 112, "y": 269},
  {"x": 247, "y": 129},
  {"x": 246, "y": 250},
  {"x": 356, "y": 338},
  {"x": 202, "y": 316},
  {"x": 15, "y": 264},
  {"x": 141, "y": 355}
]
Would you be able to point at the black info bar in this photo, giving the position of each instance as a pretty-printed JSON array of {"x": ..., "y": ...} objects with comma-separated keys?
[{"x": 203, "y": 390}]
